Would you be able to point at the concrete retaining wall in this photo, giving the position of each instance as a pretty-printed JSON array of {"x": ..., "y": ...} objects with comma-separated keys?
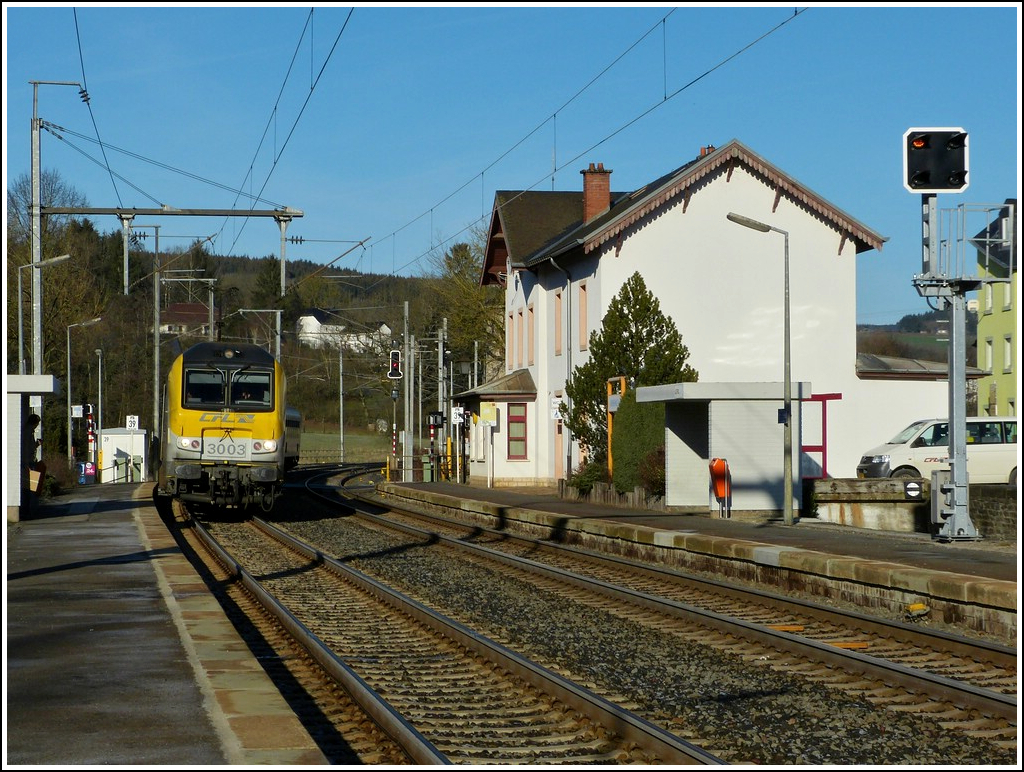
[
  {"x": 983, "y": 605},
  {"x": 888, "y": 505}
]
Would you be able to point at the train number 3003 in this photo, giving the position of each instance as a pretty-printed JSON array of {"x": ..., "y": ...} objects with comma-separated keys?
[{"x": 225, "y": 449}]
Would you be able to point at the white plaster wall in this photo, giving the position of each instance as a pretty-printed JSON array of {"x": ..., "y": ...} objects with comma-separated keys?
[
  {"x": 686, "y": 443},
  {"x": 723, "y": 286}
]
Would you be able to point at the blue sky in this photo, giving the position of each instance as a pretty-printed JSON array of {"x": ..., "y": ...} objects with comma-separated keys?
[{"x": 394, "y": 125}]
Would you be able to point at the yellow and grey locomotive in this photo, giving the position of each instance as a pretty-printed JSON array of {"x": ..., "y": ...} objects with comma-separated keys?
[{"x": 223, "y": 428}]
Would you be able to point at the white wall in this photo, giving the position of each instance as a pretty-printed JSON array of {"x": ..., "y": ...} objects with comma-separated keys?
[{"x": 723, "y": 286}]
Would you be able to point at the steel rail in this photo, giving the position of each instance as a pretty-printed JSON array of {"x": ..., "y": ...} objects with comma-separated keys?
[
  {"x": 652, "y": 738},
  {"x": 961, "y": 694},
  {"x": 418, "y": 748}
]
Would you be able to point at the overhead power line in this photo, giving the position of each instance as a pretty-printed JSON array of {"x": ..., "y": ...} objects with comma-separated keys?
[{"x": 556, "y": 168}]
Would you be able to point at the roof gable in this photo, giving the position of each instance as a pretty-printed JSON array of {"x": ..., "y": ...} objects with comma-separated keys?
[
  {"x": 680, "y": 182},
  {"x": 184, "y": 313},
  {"x": 530, "y": 227},
  {"x": 523, "y": 222}
]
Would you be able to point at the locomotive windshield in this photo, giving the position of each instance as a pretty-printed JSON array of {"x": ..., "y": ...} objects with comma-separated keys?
[
  {"x": 248, "y": 389},
  {"x": 204, "y": 388},
  {"x": 251, "y": 389}
]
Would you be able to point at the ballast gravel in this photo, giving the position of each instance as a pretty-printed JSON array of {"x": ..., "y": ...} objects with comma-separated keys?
[{"x": 746, "y": 713}]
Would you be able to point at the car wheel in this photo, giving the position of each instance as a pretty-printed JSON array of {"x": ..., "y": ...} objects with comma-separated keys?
[
  {"x": 1013, "y": 477},
  {"x": 905, "y": 473}
]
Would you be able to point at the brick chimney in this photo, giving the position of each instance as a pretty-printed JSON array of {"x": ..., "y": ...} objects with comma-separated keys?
[{"x": 597, "y": 196}]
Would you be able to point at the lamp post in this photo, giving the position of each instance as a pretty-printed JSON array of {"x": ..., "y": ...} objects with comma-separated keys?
[
  {"x": 71, "y": 459},
  {"x": 787, "y": 402},
  {"x": 99, "y": 416},
  {"x": 21, "y": 313},
  {"x": 35, "y": 216}
]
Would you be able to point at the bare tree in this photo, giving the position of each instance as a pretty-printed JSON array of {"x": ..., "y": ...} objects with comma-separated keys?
[
  {"x": 475, "y": 313},
  {"x": 54, "y": 190}
]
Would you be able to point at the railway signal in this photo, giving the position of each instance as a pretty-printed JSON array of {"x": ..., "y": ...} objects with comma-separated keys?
[
  {"x": 395, "y": 368},
  {"x": 935, "y": 160}
]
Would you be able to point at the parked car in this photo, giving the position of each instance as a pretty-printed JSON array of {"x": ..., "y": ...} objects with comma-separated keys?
[{"x": 923, "y": 447}]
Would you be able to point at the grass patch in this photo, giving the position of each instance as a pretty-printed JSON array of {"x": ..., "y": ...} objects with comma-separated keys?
[{"x": 359, "y": 446}]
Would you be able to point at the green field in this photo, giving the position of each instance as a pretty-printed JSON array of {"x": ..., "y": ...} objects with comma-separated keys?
[{"x": 359, "y": 446}]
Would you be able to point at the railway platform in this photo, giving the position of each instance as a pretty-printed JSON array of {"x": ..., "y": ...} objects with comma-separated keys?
[
  {"x": 116, "y": 653},
  {"x": 972, "y": 584}
]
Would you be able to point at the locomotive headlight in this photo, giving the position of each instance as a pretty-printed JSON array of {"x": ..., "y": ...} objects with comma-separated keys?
[
  {"x": 188, "y": 443},
  {"x": 267, "y": 446}
]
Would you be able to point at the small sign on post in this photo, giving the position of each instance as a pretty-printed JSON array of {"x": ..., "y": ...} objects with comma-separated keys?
[{"x": 489, "y": 413}]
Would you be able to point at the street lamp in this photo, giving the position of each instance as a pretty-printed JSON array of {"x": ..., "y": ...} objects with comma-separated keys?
[
  {"x": 21, "y": 314},
  {"x": 71, "y": 459},
  {"x": 787, "y": 402}
]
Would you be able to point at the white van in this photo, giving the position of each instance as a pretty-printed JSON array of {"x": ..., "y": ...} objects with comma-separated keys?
[{"x": 923, "y": 447}]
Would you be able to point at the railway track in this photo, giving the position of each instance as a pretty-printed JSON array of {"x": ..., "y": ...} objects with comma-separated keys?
[
  {"x": 959, "y": 686},
  {"x": 989, "y": 666},
  {"x": 791, "y": 683},
  {"x": 344, "y": 728},
  {"x": 440, "y": 691}
]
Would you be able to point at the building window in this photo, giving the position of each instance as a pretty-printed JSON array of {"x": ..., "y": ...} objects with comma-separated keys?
[
  {"x": 517, "y": 431},
  {"x": 988, "y": 298},
  {"x": 509, "y": 332},
  {"x": 558, "y": 323},
  {"x": 519, "y": 337},
  {"x": 1007, "y": 296},
  {"x": 529, "y": 335},
  {"x": 1008, "y": 353},
  {"x": 987, "y": 366},
  {"x": 583, "y": 316}
]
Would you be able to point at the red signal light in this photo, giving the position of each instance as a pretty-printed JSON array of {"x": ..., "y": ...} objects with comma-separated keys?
[{"x": 395, "y": 368}]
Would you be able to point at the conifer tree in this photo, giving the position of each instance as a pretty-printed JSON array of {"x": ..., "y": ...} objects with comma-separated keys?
[{"x": 636, "y": 340}]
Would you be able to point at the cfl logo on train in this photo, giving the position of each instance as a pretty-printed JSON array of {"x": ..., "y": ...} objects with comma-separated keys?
[{"x": 227, "y": 418}]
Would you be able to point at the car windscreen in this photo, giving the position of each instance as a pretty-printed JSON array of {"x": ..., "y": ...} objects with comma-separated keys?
[{"x": 907, "y": 434}]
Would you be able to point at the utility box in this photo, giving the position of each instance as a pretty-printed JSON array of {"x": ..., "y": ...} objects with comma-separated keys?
[{"x": 123, "y": 456}]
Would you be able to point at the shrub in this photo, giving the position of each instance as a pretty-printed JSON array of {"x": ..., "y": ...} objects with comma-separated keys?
[
  {"x": 651, "y": 471},
  {"x": 587, "y": 474},
  {"x": 639, "y": 429},
  {"x": 59, "y": 477}
]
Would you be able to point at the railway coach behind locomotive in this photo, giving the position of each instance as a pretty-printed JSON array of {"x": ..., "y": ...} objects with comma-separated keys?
[{"x": 223, "y": 427}]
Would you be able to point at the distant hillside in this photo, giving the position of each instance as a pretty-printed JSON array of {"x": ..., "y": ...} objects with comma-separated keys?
[
  {"x": 918, "y": 336},
  {"x": 243, "y": 281}
]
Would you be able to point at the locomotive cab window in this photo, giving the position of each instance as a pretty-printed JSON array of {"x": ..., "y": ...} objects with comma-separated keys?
[
  {"x": 252, "y": 389},
  {"x": 204, "y": 388}
]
